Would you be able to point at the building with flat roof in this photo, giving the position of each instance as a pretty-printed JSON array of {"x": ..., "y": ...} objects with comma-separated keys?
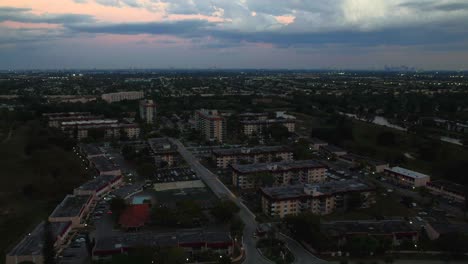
[
  {"x": 394, "y": 230},
  {"x": 29, "y": 249},
  {"x": 72, "y": 209},
  {"x": 148, "y": 111},
  {"x": 407, "y": 177},
  {"x": 104, "y": 166},
  {"x": 284, "y": 172},
  {"x": 448, "y": 190},
  {"x": 226, "y": 157},
  {"x": 163, "y": 150},
  {"x": 319, "y": 198},
  {"x": 90, "y": 150},
  {"x": 191, "y": 240},
  {"x": 99, "y": 186},
  {"x": 120, "y": 96},
  {"x": 435, "y": 229},
  {"x": 315, "y": 144},
  {"x": 211, "y": 124},
  {"x": 332, "y": 150},
  {"x": 251, "y": 127}
]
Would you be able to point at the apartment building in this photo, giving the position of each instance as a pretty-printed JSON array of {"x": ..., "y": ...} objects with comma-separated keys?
[
  {"x": 104, "y": 166},
  {"x": 407, "y": 177},
  {"x": 148, "y": 111},
  {"x": 211, "y": 124},
  {"x": 110, "y": 128},
  {"x": 331, "y": 150},
  {"x": 120, "y": 96},
  {"x": 316, "y": 143},
  {"x": 284, "y": 172},
  {"x": 250, "y": 127},
  {"x": 319, "y": 198},
  {"x": 163, "y": 150},
  {"x": 253, "y": 116},
  {"x": 226, "y": 157},
  {"x": 449, "y": 190},
  {"x": 56, "y": 121}
]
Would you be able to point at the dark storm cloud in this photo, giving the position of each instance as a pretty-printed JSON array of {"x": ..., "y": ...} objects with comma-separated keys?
[{"x": 23, "y": 15}]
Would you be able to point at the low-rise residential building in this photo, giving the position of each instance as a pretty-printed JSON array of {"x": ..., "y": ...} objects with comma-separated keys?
[
  {"x": 72, "y": 209},
  {"x": 435, "y": 229},
  {"x": 163, "y": 150},
  {"x": 29, "y": 249},
  {"x": 226, "y": 157},
  {"x": 99, "y": 186},
  {"x": 104, "y": 166},
  {"x": 319, "y": 198},
  {"x": 370, "y": 164},
  {"x": 120, "y": 96},
  {"x": 316, "y": 143},
  {"x": 284, "y": 172},
  {"x": 396, "y": 231},
  {"x": 211, "y": 124},
  {"x": 407, "y": 177},
  {"x": 376, "y": 165},
  {"x": 56, "y": 121},
  {"x": 332, "y": 150},
  {"x": 107, "y": 128},
  {"x": 257, "y": 127},
  {"x": 191, "y": 241},
  {"x": 448, "y": 190}
]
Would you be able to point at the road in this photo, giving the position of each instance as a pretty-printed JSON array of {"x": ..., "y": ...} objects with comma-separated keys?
[{"x": 221, "y": 191}]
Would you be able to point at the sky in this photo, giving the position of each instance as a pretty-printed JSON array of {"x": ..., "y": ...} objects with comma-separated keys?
[{"x": 194, "y": 34}]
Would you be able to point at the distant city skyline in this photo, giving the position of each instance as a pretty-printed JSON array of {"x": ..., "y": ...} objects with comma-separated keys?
[{"x": 227, "y": 34}]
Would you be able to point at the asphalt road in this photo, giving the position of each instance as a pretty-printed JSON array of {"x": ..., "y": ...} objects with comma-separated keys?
[{"x": 221, "y": 191}]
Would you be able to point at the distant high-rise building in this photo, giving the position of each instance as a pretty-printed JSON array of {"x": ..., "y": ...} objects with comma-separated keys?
[
  {"x": 148, "y": 111},
  {"x": 211, "y": 124}
]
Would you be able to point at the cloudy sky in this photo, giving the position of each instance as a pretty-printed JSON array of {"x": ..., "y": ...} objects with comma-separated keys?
[{"x": 312, "y": 34}]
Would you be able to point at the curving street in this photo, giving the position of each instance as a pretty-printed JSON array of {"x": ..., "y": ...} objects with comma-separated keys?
[{"x": 252, "y": 255}]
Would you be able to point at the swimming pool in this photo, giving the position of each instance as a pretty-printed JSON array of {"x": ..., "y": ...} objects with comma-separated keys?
[{"x": 140, "y": 199}]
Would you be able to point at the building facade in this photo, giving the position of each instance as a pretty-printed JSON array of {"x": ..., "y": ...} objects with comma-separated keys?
[
  {"x": 448, "y": 190},
  {"x": 407, "y": 177},
  {"x": 320, "y": 198},
  {"x": 284, "y": 173},
  {"x": 211, "y": 124},
  {"x": 251, "y": 127},
  {"x": 120, "y": 96},
  {"x": 148, "y": 111},
  {"x": 226, "y": 157}
]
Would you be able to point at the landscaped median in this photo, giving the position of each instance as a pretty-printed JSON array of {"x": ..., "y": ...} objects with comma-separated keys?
[{"x": 275, "y": 250}]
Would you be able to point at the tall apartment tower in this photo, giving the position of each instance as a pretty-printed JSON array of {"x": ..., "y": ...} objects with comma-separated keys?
[
  {"x": 148, "y": 111},
  {"x": 211, "y": 124}
]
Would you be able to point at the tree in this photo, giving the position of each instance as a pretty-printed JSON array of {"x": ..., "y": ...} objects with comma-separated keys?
[
  {"x": 117, "y": 206},
  {"x": 48, "y": 250},
  {"x": 354, "y": 201},
  {"x": 455, "y": 243},
  {"x": 172, "y": 255},
  {"x": 386, "y": 138},
  {"x": 278, "y": 132},
  {"x": 263, "y": 179},
  {"x": 362, "y": 245},
  {"x": 224, "y": 210},
  {"x": 146, "y": 169}
]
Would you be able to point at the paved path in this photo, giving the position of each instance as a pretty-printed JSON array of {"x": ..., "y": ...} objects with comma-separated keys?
[{"x": 221, "y": 191}]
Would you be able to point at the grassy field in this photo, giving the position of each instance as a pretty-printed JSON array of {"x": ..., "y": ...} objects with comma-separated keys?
[{"x": 32, "y": 184}]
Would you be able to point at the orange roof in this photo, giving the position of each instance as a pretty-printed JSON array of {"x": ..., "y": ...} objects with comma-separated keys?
[{"x": 135, "y": 216}]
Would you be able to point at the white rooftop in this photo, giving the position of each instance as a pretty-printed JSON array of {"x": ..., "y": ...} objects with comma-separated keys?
[{"x": 409, "y": 173}]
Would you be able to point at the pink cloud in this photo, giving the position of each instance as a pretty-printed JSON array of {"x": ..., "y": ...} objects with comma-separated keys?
[{"x": 20, "y": 25}]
